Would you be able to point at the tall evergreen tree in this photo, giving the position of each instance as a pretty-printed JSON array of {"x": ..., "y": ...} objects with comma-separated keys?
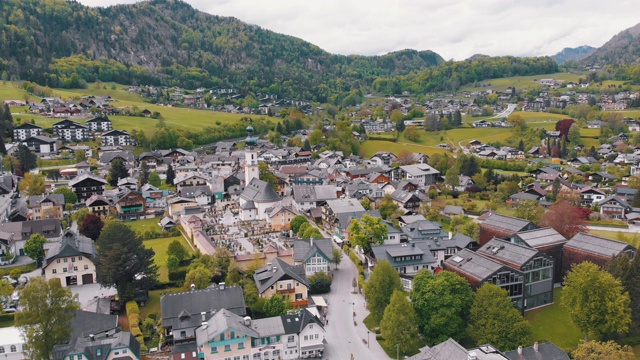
[
  {"x": 118, "y": 171},
  {"x": 27, "y": 160},
  {"x": 171, "y": 175},
  {"x": 144, "y": 173}
]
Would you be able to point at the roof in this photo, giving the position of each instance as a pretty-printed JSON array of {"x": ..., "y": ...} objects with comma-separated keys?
[
  {"x": 507, "y": 252},
  {"x": 506, "y": 222},
  {"x": 597, "y": 245},
  {"x": 71, "y": 244},
  {"x": 53, "y": 227},
  {"x": 184, "y": 309},
  {"x": 473, "y": 264},
  {"x": 83, "y": 177},
  {"x": 279, "y": 270},
  {"x": 419, "y": 169},
  {"x": 295, "y": 323},
  {"x": 88, "y": 346},
  {"x": 541, "y": 237},
  {"x": 85, "y": 323},
  {"x": 546, "y": 351},
  {"x": 390, "y": 251},
  {"x": 259, "y": 191},
  {"x": 340, "y": 206},
  {"x": 221, "y": 321},
  {"x": 303, "y": 250},
  {"x": 271, "y": 326},
  {"x": 36, "y": 200},
  {"x": 11, "y": 335}
]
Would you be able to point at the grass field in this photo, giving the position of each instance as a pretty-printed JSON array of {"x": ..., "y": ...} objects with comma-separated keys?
[
  {"x": 553, "y": 323},
  {"x": 140, "y": 226},
  {"x": 520, "y": 82},
  {"x": 160, "y": 247}
]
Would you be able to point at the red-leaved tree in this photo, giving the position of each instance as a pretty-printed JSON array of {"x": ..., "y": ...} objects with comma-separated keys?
[
  {"x": 564, "y": 218},
  {"x": 563, "y": 126},
  {"x": 91, "y": 226}
]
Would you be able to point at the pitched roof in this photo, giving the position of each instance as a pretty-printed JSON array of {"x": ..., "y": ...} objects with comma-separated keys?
[
  {"x": 506, "y": 222},
  {"x": 279, "y": 270},
  {"x": 473, "y": 264},
  {"x": 85, "y": 323},
  {"x": 295, "y": 323},
  {"x": 222, "y": 320},
  {"x": 71, "y": 244},
  {"x": 541, "y": 237},
  {"x": 546, "y": 351},
  {"x": 83, "y": 177},
  {"x": 36, "y": 200},
  {"x": 303, "y": 250},
  {"x": 507, "y": 252},
  {"x": 88, "y": 346},
  {"x": 259, "y": 191},
  {"x": 597, "y": 245}
]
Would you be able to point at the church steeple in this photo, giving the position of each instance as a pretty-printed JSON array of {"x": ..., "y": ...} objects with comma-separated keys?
[{"x": 251, "y": 169}]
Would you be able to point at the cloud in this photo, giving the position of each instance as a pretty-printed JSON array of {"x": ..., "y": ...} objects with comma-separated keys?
[{"x": 454, "y": 29}]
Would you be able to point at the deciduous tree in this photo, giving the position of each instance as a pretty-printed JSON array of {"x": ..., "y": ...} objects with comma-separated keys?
[
  {"x": 32, "y": 184},
  {"x": 399, "y": 325},
  {"x": 596, "y": 300},
  {"x": 384, "y": 280},
  {"x": 154, "y": 179},
  {"x": 178, "y": 250},
  {"x": 69, "y": 196},
  {"x": 563, "y": 218},
  {"x": 123, "y": 261},
  {"x": 530, "y": 210},
  {"x": 387, "y": 206},
  {"x": 494, "y": 320},
  {"x": 628, "y": 272},
  {"x": 597, "y": 350},
  {"x": 45, "y": 319},
  {"x": 198, "y": 276},
  {"x": 442, "y": 303},
  {"x": 296, "y": 222},
  {"x": 34, "y": 248},
  {"x": 366, "y": 231},
  {"x": 320, "y": 283},
  {"x": 91, "y": 226},
  {"x": 276, "y": 305},
  {"x": 337, "y": 256}
]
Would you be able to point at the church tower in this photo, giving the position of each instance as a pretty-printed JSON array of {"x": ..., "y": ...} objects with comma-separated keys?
[{"x": 251, "y": 170}]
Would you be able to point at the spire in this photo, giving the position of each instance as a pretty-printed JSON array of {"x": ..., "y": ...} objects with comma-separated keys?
[{"x": 250, "y": 141}]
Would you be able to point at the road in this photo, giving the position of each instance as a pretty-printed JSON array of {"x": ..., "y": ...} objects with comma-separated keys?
[
  {"x": 631, "y": 229},
  {"x": 510, "y": 108}
]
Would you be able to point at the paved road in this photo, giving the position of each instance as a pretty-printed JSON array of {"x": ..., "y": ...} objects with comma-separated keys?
[
  {"x": 343, "y": 337},
  {"x": 631, "y": 229}
]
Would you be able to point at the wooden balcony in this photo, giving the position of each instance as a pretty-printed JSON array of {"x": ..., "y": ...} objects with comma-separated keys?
[
  {"x": 300, "y": 303},
  {"x": 285, "y": 291}
]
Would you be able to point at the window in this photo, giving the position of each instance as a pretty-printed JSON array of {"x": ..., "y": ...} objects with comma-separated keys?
[
  {"x": 1, "y": 349},
  {"x": 73, "y": 259},
  {"x": 66, "y": 260},
  {"x": 54, "y": 271},
  {"x": 58, "y": 261},
  {"x": 317, "y": 336},
  {"x": 240, "y": 346},
  {"x": 124, "y": 351},
  {"x": 291, "y": 338},
  {"x": 64, "y": 269},
  {"x": 86, "y": 267},
  {"x": 214, "y": 349},
  {"x": 306, "y": 337},
  {"x": 98, "y": 352},
  {"x": 75, "y": 268},
  {"x": 79, "y": 258},
  {"x": 227, "y": 348}
]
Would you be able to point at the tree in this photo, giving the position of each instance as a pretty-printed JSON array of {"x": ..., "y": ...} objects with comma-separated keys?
[
  {"x": 337, "y": 256},
  {"x": 597, "y": 350},
  {"x": 320, "y": 283},
  {"x": 628, "y": 272},
  {"x": 45, "y": 319},
  {"x": 80, "y": 156},
  {"x": 172, "y": 263},
  {"x": 198, "y": 276},
  {"x": 79, "y": 215},
  {"x": 563, "y": 218},
  {"x": 178, "y": 250},
  {"x": 32, "y": 184},
  {"x": 69, "y": 196},
  {"x": 412, "y": 133},
  {"x": 574, "y": 135},
  {"x": 6, "y": 289},
  {"x": 442, "y": 303},
  {"x": 453, "y": 177},
  {"x": 518, "y": 122},
  {"x": 91, "y": 226},
  {"x": 34, "y": 248},
  {"x": 26, "y": 159},
  {"x": 366, "y": 231},
  {"x": 399, "y": 325},
  {"x": 494, "y": 320},
  {"x": 366, "y": 203},
  {"x": 296, "y": 222},
  {"x": 530, "y": 210},
  {"x": 266, "y": 175},
  {"x": 118, "y": 171},
  {"x": 123, "y": 261},
  {"x": 596, "y": 300},
  {"x": 154, "y": 179},
  {"x": 387, "y": 206},
  {"x": 384, "y": 280},
  {"x": 471, "y": 229},
  {"x": 311, "y": 232},
  {"x": 171, "y": 175},
  {"x": 144, "y": 173},
  {"x": 276, "y": 305}
]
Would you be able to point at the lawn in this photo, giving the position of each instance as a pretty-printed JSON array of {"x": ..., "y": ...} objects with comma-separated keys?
[
  {"x": 160, "y": 247},
  {"x": 520, "y": 82},
  {"x": 553, "y": 323},
  {"x": 140, "y": 226}
]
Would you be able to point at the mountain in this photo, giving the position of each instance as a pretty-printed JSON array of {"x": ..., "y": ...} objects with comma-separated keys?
[
  {"x": 623, "y": 48},
  {"x": 576, "y": 54},
  {"x": 167, "y": 42}
]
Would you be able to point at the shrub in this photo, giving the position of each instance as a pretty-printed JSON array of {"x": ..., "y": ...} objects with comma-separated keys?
[
  {"x": 134, "y": 320},
  {"x": 132, "y": 308},
  {"x": 320, "y": 283},
  {"x": 135, "y": 331},
  {"x": 177, "y": 275}
]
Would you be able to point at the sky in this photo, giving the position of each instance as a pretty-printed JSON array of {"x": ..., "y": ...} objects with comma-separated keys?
[{"x": 455, "y": 29}]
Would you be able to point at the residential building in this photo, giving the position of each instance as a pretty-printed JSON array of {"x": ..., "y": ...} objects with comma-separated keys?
[
  {"x": 70, "y": 260},
  {"x": 117, "y": 138},
  {"x": 545, "y": 350},
  {"x": 13, "y": 235},
  {"x": 120, "y": 345},
  {"x": 585, "y": 247},
  {"x": 283, "y": 279},
  {"x": 87, "y": 185},
  {"x": 536, "y": 266},
  {"x": 26, "y": 130},
  {"x": 314, "y": 255},
  {"x": 99, "y": 124},
  {"x": 49, "y": 206},
  {"x": 67, "y": 130},
  {"x": 130, "y": 205},
  {"x": 407, "y": 259},
  {"x": 279, "y": 217},
  {"x": 98, "y": 205},
  {"x": 12, "y": 343},
  {"x": 42, "y": 145},
  {"x": 546, "y": 240},
  {"x": 421, "y": 174}
]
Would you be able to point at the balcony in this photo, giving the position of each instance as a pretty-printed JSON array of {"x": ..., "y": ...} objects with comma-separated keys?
[
  {"x": 300, "y": 303},
  {"x": 285, "y": 291}
]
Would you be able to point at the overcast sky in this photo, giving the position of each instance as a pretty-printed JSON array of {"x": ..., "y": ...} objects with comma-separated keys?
[{"x": 455, "y": 29}]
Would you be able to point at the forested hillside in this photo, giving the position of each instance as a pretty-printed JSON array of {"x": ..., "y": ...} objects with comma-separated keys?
[{"x": 62, "y": 43}]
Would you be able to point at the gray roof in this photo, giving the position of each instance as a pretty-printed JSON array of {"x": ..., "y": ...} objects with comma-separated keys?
[
  {"x": 259, "y": 191},
  {"x": 278, "y": 270},
  {"x": 388, "y": 252},
  {"x": 451, "y": 209},
  {"x": 597, "y": 245},
  {"x": 221, "y": 321},
  {"x": 341, "y": 206},
  {"x": 446, "y": 350},
  {"x": 423, "y": 230},
  {"x": 541, "y": 237},
  {"x": 546, "y": 351},
  {"x": 419, "y": 169},
  {"x": 294, "y": 323},
  {"x": 108, "y": 156},
  {"x": 88, "y": 347},
  {"x": 85, "y": 323},
  {"x": 71, "y": 244},
  {"x": 35, "y": 200},
  {"x": 303, "y": 250},
  {"x": 507, "y": 252},
  {"x": 82, "y": 177},
  {"x": 506, "y": 222},
  {"x": 474, "y": 265},
  {"x": 268, "y": 327},
  {"x": 184, "y": 309},
  {"x": 22, "y": 230}
]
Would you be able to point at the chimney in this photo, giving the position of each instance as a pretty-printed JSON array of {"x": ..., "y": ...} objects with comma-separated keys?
[
  {"x": 535, "y": 346},
  {"x": 92, "y": 337},
  {"x": 520, "y": 350},
  {"x": 247, "y": 321},
  {"x": 413, "y": 245},
  {"x": 268, "y": 266},
  {"x": 221, "y": 286},
  {"x": 472, "y": 355},
  {"x": 204, "y": 314},
  {"x": 193, "y": 287},
  {"x": 275, "y": 269},
  {"x": 450, "y": 235},
  {"x": 311, "y": 242}
]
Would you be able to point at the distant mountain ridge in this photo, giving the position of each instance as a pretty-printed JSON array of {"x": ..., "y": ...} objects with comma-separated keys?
[
  {"x": 577, "y": 53},
  {"x": 623, "y": 48}
]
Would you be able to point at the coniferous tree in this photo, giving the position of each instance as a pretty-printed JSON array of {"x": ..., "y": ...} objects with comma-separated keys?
[
  {"x": 171, "y": 175},
  {"x": 118, "y": 171}
]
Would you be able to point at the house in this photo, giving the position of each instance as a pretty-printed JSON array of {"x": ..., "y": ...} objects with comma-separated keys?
[
  {"x": 167, "y": 223},
  {"x": 13, "y": 235},
  {"x": 99, "y": 124},
  {"x": 42, "y": 145},
  {"x": 98, "y": 205},
  {"x": 87, "y": 185},
  {"x": 183, "y": 312},
  {"x": 409, "y": 202},
  {"x": 127, "y": 183},
  {"x": 70, "y": 260},
  {"x": 314, "y": 255},
  {"x": 178, "y": 204},
  {"x": 283, "y": 279},
  {"x": 130, "y": 205},
  {"x": 67, "y": 130},
  {"x": 279, "y": 217},
  {"x": 47, "y": 206},
  {"x": 479, "y": 269},
  {"x": 26, "y": 130},
  {"x": 502, "y": 227},
  {"x": 307, "y": 197},
  {"x": 119, "y": 345},
  {"x": 590, "y": 195},
  {"x": 117, "y": 138},
  {"x": 545, "y": 240},
  {"x": 305, "y": 336},
  {"x": 536, "y": 266},
  {"x": 613, "y": 207},
  {"x": 337, "y": 213},
  {"x": 545, "y": 350},
  {"x": 407, "y": 259},
  {"x": 585, "y": 247},
  {"x": 421, "y": 174},
  {"x": 12, "y": 343}
]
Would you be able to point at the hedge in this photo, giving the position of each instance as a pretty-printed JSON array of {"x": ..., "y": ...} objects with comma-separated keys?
[{"x": 132, "y": 308}]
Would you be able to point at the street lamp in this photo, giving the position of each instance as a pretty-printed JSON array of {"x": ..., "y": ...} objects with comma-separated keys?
[{"x": 368, "y": 338}]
